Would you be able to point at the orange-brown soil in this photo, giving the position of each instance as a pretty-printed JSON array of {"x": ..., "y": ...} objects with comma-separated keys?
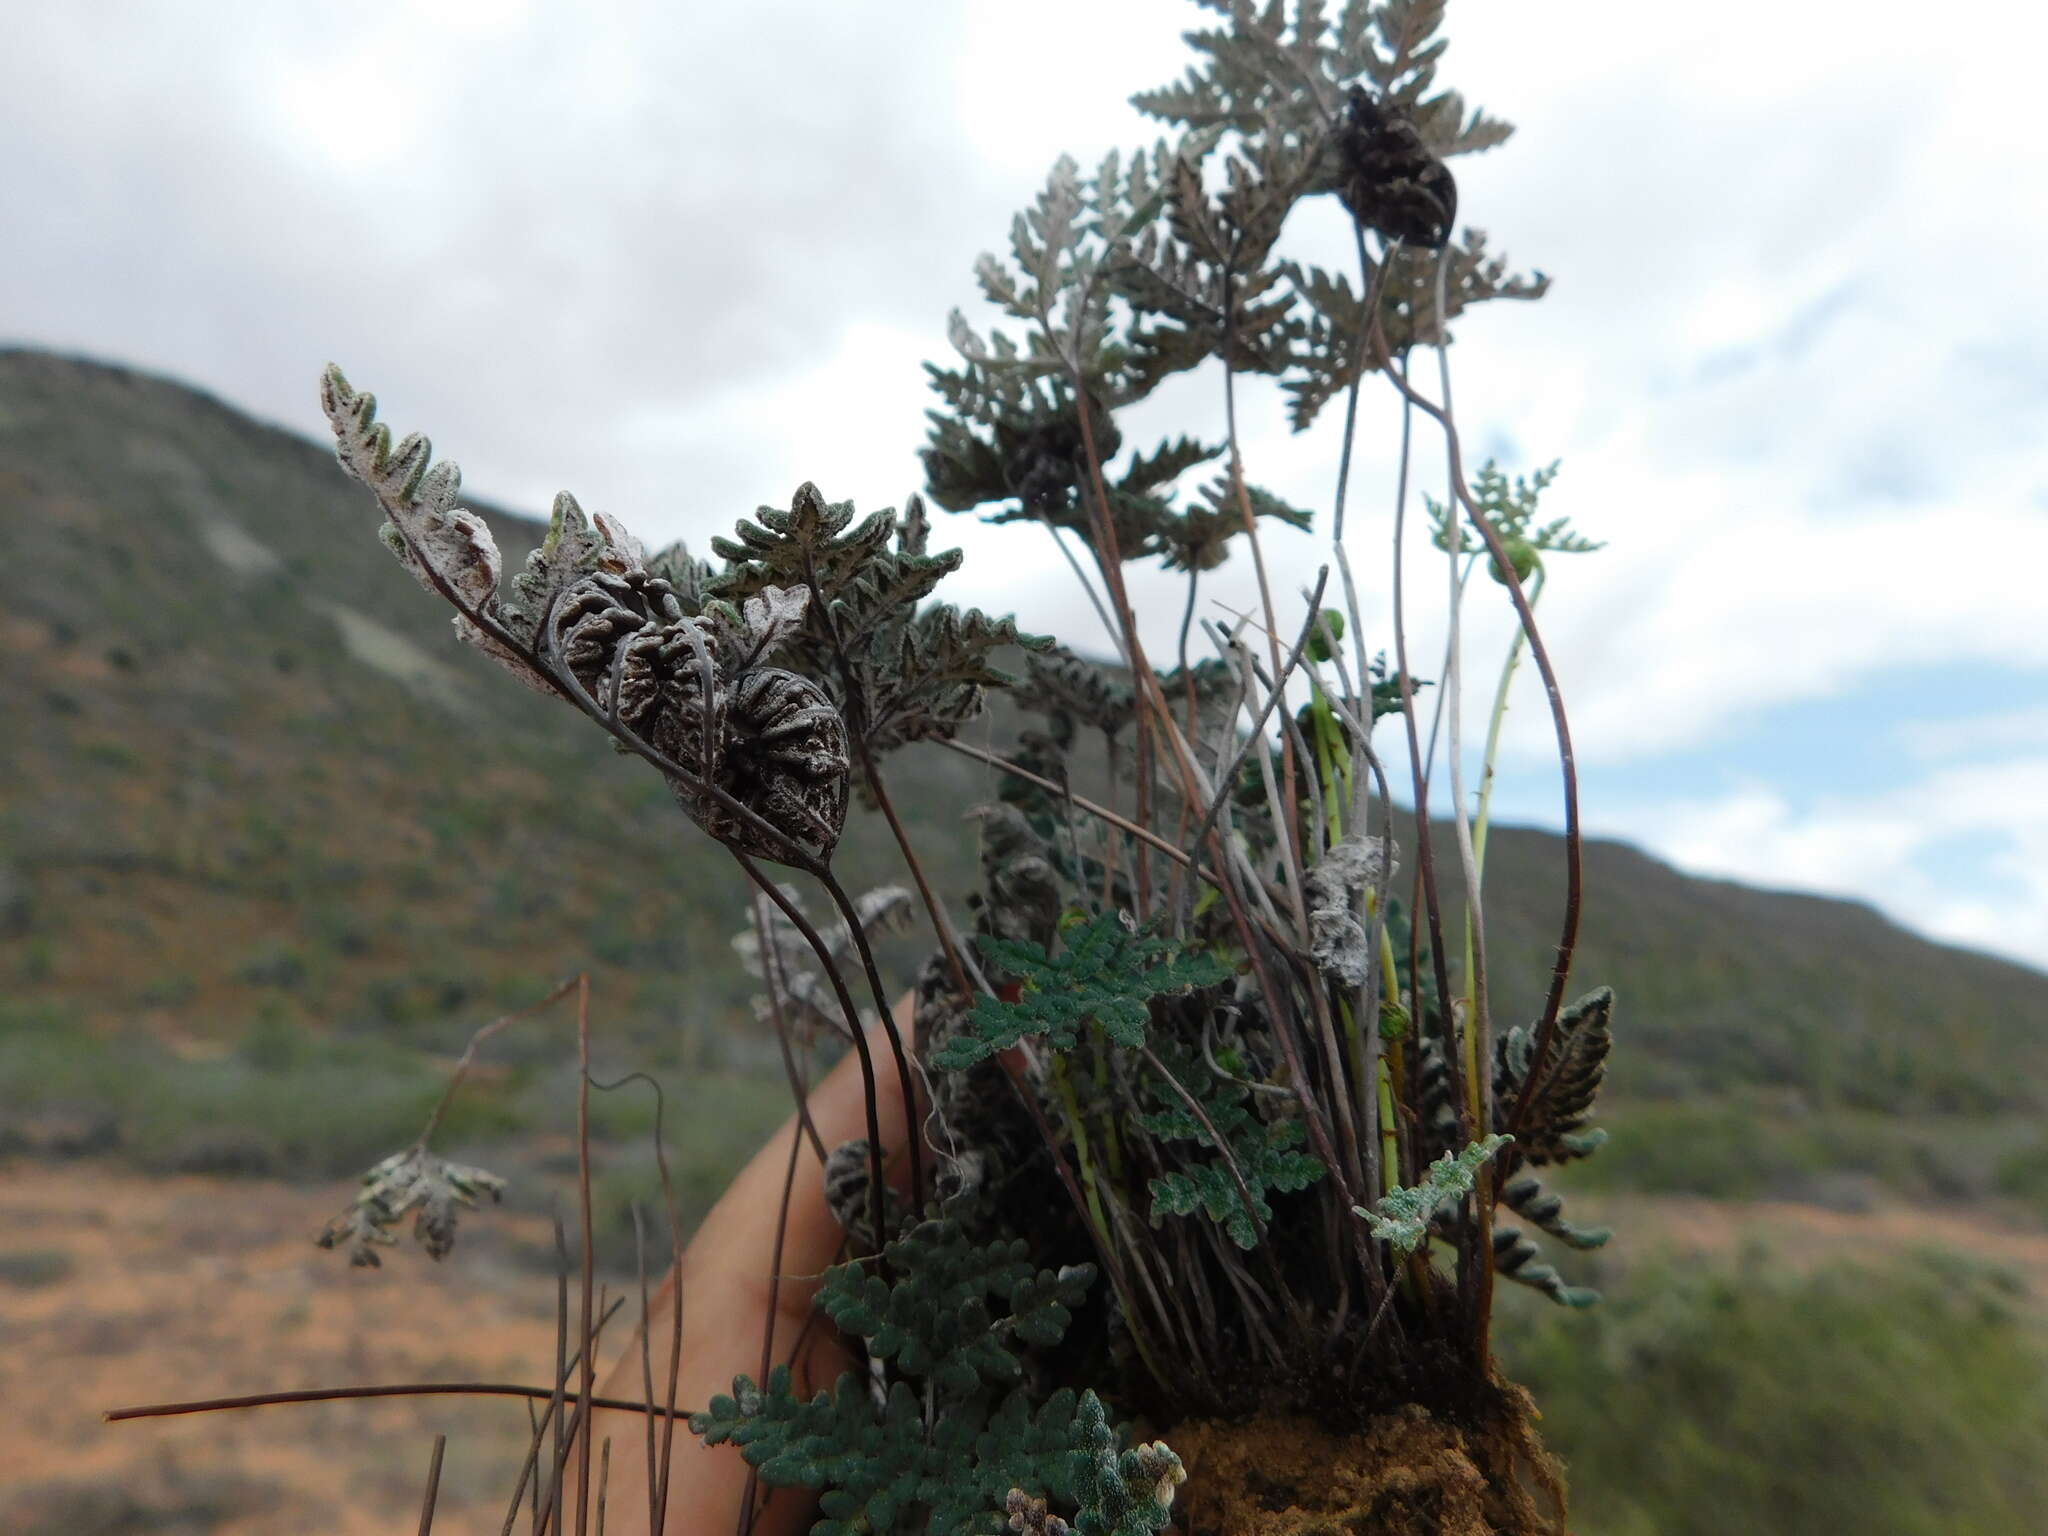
[
  {"x": 188, "y": 1287},
  {"x": 1406, "y": 1474}
]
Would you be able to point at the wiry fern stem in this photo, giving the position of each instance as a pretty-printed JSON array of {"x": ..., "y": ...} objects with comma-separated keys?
[
  {"x": 1360, "y": 1013},
  {"x": 941, "y": 928},
  {"x": 1109, "y": 625},
  {"x": 1475, "y": 1277},
  {"x": 1425, "y": 863},
  {"x": 774, "y": 983},
  {"x": 585, "y": 1298},
  {"x": 1218, "y": 799},
  {"x": 748, "y": 1506},
  {"x": 871, "y": 1096},
  {"x": 1109, "y": 558},
  {"x": 476, "y": 1041},
  {"x": 352, "y": 1394},
  {"x": 857, "y": 931},
  {"x": 658, "y": 1451},
  {"x": 1063, "y": 1090},
  {"x": 1567, "y": 944},
  {"x": 1290, "y": 829},
  {"x": 1089, "y": 807},
  {"x": 559, "y": 1410},
  {"x": 1483, "y": 821},
  {"x": 1344, "y": 1113}
]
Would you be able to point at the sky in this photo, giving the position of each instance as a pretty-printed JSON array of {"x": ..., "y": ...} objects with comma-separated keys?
[{"x": 680, "y": 259}]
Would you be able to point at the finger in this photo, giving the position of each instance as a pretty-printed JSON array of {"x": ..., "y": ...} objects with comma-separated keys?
[{"x": 731, "y": 1296}]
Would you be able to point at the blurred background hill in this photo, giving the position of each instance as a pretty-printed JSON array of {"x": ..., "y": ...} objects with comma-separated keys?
[{"x": 272, "y": 845}]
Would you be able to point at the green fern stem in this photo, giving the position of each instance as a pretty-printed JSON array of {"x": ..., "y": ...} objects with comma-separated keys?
[
  {"x": 1333, "y": 763},
  {"x": 1355, "y": 1037},
  {"x": 1063, "y": 1087},
  {"x": 1390, "y": 979},
  {"x": 1112, "y": 1144},
  {"x": 1391, "y": 1058},
  {"x": 1484, "y": 819},
  {"x": 1390, "y": 1145}
]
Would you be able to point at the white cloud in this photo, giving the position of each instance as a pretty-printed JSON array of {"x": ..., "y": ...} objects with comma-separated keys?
[{"x": 1936, "y": 741}]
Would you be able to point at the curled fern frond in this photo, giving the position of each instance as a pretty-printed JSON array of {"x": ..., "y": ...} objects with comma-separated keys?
[
  {"x": 1509, "y": 509},
  {"x": 1518, "y": 1259},
  {"x": 1555, "y": 1125},
  {"x": 756, "y": 755},
  {"x": 1393, "y": 182},
  {"x": 1057, "y": 682},
  {"x": 1527, "y": 1197}
]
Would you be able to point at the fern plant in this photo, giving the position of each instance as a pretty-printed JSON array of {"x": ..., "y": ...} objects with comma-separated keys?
[
  {"x": 956, "y": 1435},
  {"x": 1216, "y": 1038}
]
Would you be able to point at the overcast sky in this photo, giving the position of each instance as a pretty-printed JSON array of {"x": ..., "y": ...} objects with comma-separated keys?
[{"x": 679, "y": 259}]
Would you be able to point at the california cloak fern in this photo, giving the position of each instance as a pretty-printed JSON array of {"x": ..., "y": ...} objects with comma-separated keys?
[{"x": 1199, "y": 1041}]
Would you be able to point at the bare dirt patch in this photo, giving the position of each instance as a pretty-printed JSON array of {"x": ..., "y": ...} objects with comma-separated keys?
[
  {"x": 1808, "y": 1235},
  {"x": 191, "y": 1287}
]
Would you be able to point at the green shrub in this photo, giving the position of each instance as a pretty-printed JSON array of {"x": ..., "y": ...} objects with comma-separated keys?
[
  {"x": 1890, "y": 1401},
  {"x": 169, "y": 991},
  {"x": 275, "y": 965},
  {"x": 1730, "y": 1149},
  {"x": 297, "y": 1103},
  {"x": 2023, "y": 1174}
]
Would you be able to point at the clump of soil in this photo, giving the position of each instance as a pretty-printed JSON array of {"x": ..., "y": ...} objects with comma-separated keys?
[{"x": 1406, "y": 1473}]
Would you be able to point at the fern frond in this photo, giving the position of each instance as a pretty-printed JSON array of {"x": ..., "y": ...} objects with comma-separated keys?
[
  {"x": 1527, "y": 1197},
  {"x": 810, "y": 544},
  {"x": 1105, "y": 975},
  {"x": 954, "y": 1440},
  {"x": 934, "y": 1321},
  {"x": 1401, "y": 1217},
  {"x": 1266, "y": 1154},
  {"x": 900, "y": 672},
  {"x": 449, "y": 549},
  {"x": 1518, "y": 1259},
  {"x": 434, "y": 1189},
  {"x": 1567, "y": 1080},
  {"x": 1058, "y": 682}
]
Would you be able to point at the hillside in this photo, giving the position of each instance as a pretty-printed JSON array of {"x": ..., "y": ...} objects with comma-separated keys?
[
  {"x": 251, "y": 775},
  {"x": 257, "y": 797}
]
